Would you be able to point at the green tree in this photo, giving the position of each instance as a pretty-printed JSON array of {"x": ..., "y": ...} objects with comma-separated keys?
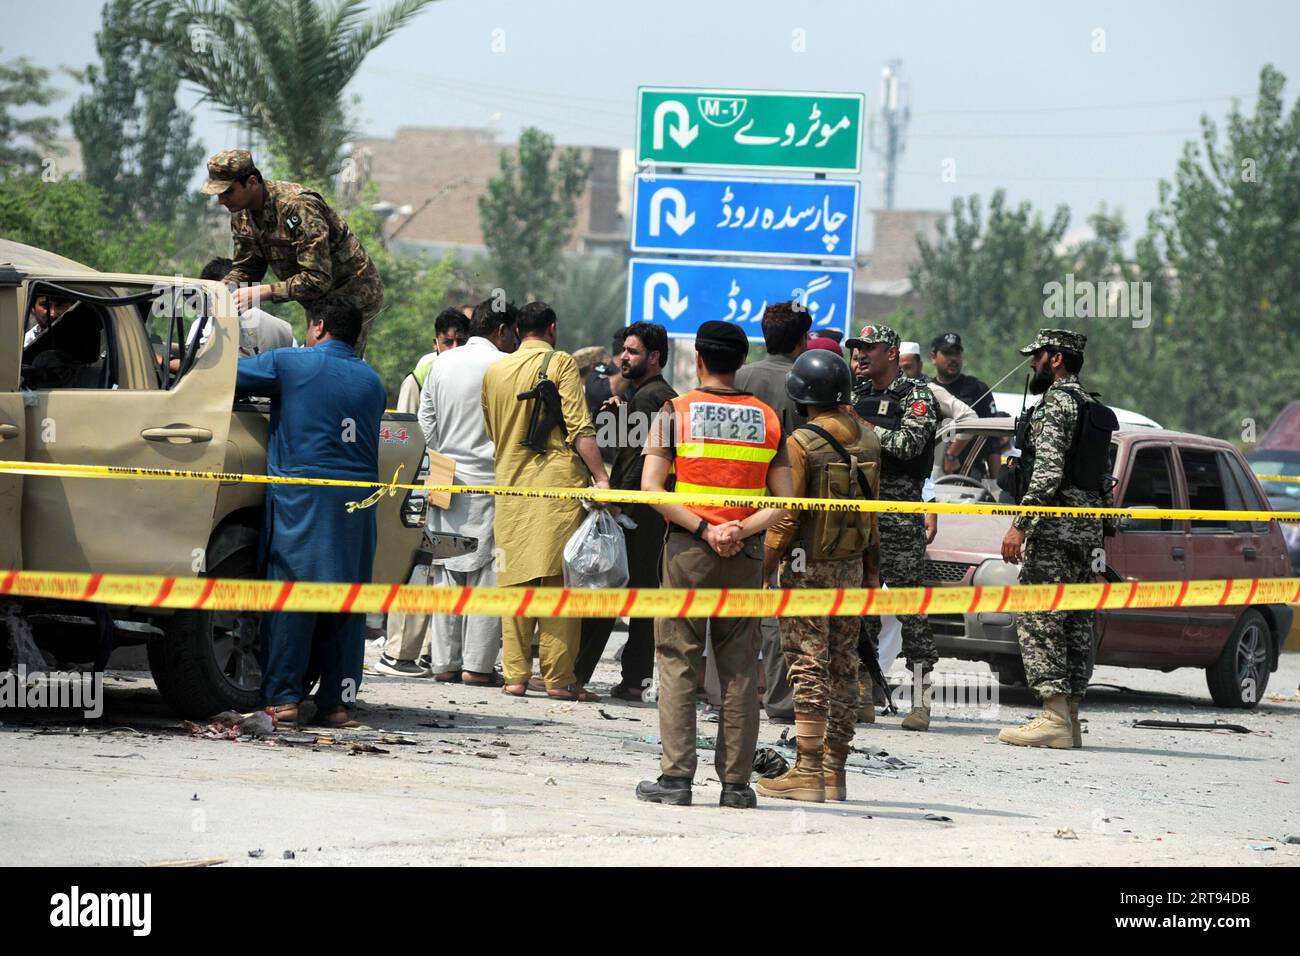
[
  {"x": 590, "y": 301},
  {"x": 414, "y": 293},
  {"x": 983, "y": 277},
  {"x": 136, "y": 142},
  {"x": 280, "y": 66},
  {"x": 25, "y": 143},
  {"x": 1228, "y": 227},
  {"x": 70, "y": 218},
  {"x": 528, "y": 214}
]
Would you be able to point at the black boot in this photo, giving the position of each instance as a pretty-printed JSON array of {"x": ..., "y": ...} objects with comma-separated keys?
[
  {"x": 739, "y": 796},
  {"x": 675, "y": 791}
]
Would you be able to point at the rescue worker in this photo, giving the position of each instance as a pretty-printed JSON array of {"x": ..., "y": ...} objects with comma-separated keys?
[
  {"x": 837, "y": 457},
  {"x": 719, "y": 440},
  {"x": 326, "y": 408},
  {"x": 293, "y": 231},
  {"x": 1063, "y": 463},
  {"x": 903, "y": 411}
]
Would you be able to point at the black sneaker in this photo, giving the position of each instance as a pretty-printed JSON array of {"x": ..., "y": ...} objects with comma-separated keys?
[
  {"x": 675, "y": 791},
  {"x": 395, "y": 668},
  {"x": 738, "y": 796}
]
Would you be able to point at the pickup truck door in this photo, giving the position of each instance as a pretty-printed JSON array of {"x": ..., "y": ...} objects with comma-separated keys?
[
  {"x": 13, "y": 430},
  {"x": 1147, "y": 550},
  {"x": 122, "y": 408}
]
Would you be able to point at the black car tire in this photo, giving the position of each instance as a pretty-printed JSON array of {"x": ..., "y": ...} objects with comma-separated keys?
[
  {"x": 207, "y": 661},
  {"x": 1240, "y": 675}
]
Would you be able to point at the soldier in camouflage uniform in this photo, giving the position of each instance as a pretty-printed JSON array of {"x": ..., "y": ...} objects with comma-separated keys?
[
  {"x": 832, "y": 456},
  {"x": 904, "y": 413},
  {"x": 1056, "y": 646},
  {"x": 290, "y": 229}
]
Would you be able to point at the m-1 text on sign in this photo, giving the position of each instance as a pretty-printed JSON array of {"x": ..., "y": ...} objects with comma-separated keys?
[
  {"x": 681, "y": 294},
  {"x": 720, "y": 215},
  {"x": 749, "y": 129}
]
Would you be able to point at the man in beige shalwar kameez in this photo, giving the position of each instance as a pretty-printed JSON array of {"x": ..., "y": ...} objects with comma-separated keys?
[{"x": 531, "y": 533}]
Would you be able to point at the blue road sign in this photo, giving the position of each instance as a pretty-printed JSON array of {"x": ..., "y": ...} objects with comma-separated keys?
[
  {"x": 681, "y": 294},
  {"x": 720, "y": 215}
]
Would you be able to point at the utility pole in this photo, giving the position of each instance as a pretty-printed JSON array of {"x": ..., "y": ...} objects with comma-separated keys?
[{"x": 888, "y": 136}]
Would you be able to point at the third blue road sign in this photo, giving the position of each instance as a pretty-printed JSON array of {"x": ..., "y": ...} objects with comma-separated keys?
[
  {"x": 712, "y": 215},
  {"x": 681, "y": 295}
]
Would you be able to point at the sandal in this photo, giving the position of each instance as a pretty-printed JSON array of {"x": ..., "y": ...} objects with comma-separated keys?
[
  {"x": 334, "y": 718},
  {"x": 536, "y": 683},
  {"x": 573, "y": 692},
  {"x": 623, "y": 692},
  {"x": 475, "y": 679},
  {"x": 284, "y": 713},
  {"x": 447, "y": 677},
  {"x": 515, "y": 690}
]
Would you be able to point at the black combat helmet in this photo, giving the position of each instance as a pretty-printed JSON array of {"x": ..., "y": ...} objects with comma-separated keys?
[{"x": 819, "y": 377}]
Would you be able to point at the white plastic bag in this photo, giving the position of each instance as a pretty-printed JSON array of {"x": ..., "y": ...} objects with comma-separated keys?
[
  {"x": 890, "y": 640},
  {"x": 596, "y": 555}
]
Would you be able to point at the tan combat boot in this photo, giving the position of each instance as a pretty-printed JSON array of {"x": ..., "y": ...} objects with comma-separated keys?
[
  {"x": 1076, "y": 728},
  {"x": 834, "y": 777},
  {"x": 1051, "y": 728},
  {"x": 866, "y": 700},
  {"x": 918, "y": 718},
  {"x": 804, "y": 780}
]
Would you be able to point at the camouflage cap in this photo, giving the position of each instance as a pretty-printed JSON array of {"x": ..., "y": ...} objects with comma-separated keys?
[
  {"x": 1066, "y": 339},
  {"x": 224, "y": 168},
  {"x": 871, "y": 334}
]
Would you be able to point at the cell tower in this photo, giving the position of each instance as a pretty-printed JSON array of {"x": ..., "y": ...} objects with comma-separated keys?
[{"x": 888, "y": 129}]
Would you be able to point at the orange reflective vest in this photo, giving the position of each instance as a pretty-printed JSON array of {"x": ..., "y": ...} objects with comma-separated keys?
[{"x": 724, "y": 443}]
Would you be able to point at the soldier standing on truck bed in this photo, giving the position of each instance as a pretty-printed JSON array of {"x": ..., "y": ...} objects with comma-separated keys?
[
  {"x": 1063, "y": 442},
  {"x": 293, "y": 231}
]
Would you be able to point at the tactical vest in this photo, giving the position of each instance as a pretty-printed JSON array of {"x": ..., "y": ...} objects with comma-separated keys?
[
  {"x": 885, "y": 410},
  {"x": 1087, "y": 460},
  {"x": 725, "y": 443},
  {"x": 836, "y": 535}
]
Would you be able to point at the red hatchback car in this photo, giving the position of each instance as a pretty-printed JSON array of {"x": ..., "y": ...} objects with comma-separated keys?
[{"x": 1238, "y": 647}]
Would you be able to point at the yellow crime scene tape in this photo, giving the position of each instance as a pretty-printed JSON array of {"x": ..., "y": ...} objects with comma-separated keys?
[
  {"x": 61, "y": 470},
  {"x": 234, "y": 594},
  {"x": 1293, "y": 479}
]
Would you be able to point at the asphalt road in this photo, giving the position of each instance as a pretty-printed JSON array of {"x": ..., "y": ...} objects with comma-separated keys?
[{"x": 495, "y": 780}]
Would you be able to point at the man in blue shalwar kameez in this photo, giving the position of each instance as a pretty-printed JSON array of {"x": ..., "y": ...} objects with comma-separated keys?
[{"x": 326, "y": 407}]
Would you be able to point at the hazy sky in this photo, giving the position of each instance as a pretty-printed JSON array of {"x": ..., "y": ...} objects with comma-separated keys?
[{"x": 1012, "y": 91}]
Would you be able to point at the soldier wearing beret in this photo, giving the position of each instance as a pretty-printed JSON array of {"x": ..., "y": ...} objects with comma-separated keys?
[
  {"x": 291, "y": 230},
  {"x": 1063, "y": 440},
  {"x": 720, "y": 441},
  {"x": 904, "y": 413}
]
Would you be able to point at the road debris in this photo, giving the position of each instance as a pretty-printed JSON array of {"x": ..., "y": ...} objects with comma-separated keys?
[
  {"x": 231, "y": 725},
  {"x": 1189, "y": 725},
  {"x": 359, "y": 747},
  {"x": 938, "y": 818},
  {"x": 1065, "y": 833}
]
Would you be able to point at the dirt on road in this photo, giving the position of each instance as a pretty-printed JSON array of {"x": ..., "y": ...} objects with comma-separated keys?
[{"x": 470, "y": 776}]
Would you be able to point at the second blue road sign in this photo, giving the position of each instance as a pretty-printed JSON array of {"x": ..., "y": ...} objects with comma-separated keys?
[{"x": 722, "y": 215}]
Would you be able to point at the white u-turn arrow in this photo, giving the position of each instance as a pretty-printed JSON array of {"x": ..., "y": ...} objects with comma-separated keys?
[
  {"x": 683, "y": 133},
  {"x": 672, "y": 306},
  {"x": 678, "y": 220}
]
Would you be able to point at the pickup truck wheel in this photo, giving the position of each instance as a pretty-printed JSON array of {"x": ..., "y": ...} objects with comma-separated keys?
[
  {"x": 208, "y": 660},
  {"x": 1239, "y": 676}
]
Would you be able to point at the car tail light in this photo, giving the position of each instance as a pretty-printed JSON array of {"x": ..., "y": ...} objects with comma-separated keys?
[{"x": 414, "y": 503}]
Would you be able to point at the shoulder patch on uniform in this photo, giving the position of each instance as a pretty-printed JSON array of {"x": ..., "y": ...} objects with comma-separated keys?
[
  {"x": 920, "y": 408},
  {"x": 293, "y": 220}
]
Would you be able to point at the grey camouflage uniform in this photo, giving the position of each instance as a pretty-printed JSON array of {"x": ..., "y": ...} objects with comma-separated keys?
[
  {"x": 1056, "y": 646},
  {"x": 902, "y": 536}
]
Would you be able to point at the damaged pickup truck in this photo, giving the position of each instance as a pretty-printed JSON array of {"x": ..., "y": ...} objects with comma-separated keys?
[{"x": 136, "y": 370}]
